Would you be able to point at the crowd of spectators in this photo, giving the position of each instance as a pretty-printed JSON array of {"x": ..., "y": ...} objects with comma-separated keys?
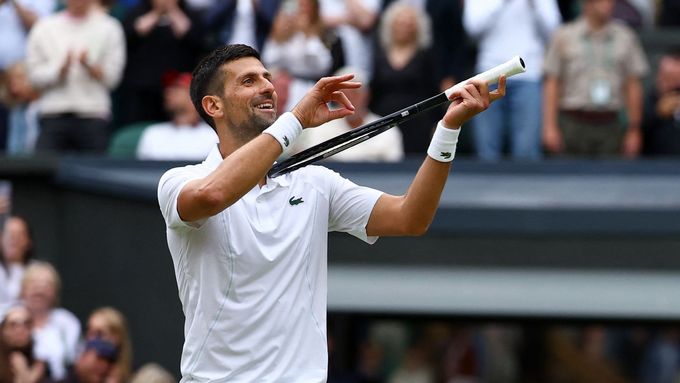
[
  {"x": 41, "y": 342},
  {"x": 76, "y": 72}
]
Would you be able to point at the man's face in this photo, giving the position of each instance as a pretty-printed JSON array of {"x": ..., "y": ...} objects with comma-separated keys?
[
  {"x": 177, "y": 99},
  {"x": 16, "y": 331},
  {"x": 79, "y": 7},
  {"x": 599, "y": 9},
  {"x": 91, "y": 368},
  {"x": 249, "y": 98}
]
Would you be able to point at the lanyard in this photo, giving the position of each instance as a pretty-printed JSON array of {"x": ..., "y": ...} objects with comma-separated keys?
[{"x": 605, "y": 63}]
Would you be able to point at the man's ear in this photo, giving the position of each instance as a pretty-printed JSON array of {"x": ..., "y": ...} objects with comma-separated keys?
[{"x": 213, "y": 106}]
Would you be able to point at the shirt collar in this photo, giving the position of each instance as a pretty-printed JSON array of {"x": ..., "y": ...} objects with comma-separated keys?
[
  {"x": 214, "y": 160},
  {"x": 585, "y": 30}
]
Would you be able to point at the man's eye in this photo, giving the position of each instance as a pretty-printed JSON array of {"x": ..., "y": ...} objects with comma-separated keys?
[{"x": 248, "y": 81}]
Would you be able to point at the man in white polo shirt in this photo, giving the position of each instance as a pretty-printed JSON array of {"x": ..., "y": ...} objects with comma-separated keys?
[{"x": 249, "y": 251}]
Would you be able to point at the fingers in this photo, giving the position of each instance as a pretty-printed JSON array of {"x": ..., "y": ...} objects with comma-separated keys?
[
  {"x": 342, "y": 99},
  {"x": 331, "y": 84},
  {"x": 500, "y": 91}
]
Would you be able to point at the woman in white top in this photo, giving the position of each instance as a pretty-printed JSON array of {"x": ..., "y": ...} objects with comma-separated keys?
[
  {"x": 296, "y": 46},
  {"x": 56, "y": 331},
  {"x": 17, "y": 251}
]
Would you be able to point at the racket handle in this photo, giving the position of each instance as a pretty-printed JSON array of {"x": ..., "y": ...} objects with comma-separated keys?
[{"x": 510, "y": 68}]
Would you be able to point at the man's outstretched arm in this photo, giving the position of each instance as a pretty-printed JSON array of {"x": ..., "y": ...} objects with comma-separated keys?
[{"x": 412, "y": 213}]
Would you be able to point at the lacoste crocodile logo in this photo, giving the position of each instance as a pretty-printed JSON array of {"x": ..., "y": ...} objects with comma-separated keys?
[
  {"x": 445, "y": 155},
  {"x": 285, "y": 141},
  {"x": 292, "y": 201}
]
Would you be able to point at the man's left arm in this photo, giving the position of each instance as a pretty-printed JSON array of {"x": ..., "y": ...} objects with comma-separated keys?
[
  {"x": 412, "y": 213},
  {"x": 632, "y": 143}
]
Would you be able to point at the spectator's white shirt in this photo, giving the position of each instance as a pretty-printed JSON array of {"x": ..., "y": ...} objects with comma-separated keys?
[
  {"x": 167, "y": 141},
  {"x": 10, "y": 283},
  {"x": 244, "y": 24},
  {"x": 12, "y": 30},
  {"x": 386, "y": 147},
  {"x": 306, "y": 58},
  {"x": 505, "y": 28},
  {"x": 357, "y": 46},
  {"x": 57, "y": 341},
  {"x": 49, "y": 44},
  {"x": 253, "y": 278}
]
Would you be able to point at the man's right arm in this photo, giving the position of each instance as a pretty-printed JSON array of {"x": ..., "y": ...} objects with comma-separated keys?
[{"x": 248, "y": 165}]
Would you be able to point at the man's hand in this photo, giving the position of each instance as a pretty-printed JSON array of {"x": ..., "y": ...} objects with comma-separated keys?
[
  {"x": 552, "y": 139},
  {"x": 94, "y": 71},
  {"x": 313, "y": 109},
  {"x": 632, "y": 143},
  {"x": 63, "y": 71},
  {"x": 468, "y": 101}
]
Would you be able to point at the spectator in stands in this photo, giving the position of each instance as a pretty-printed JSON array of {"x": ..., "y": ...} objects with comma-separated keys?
[
  {"x": 16, "y": 19},
  {"x": 109, "y": 324},
  {"x": 161, "y": 35},
  {"x": 17, "y": 362},
  {"x": 241, "y": 22},
  {"x": 17, "y": 252},
  {"x": 75, "y": 58},
  {"x": 404, "y": 72},
  {"x": 353, "y": 22},
  {"x": 296, "y": 46},
  {"x": 503, "y": 28},
  {"x": 94, "y": 363},
  {"x": 593, "y": 71},
  {"x": 185, "y": 136},
  {"x": 20, "y": 96},
  {"x": 55, "y": 330},
  {"x": 153, "y": 373},
  {"x": 387, "y": 146},
  {"x": 662, "y": 112},
  {"x": 452, "y": 47}
]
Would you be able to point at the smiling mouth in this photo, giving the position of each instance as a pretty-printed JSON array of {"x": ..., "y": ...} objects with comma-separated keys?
[{"x": 269, "y": 106}]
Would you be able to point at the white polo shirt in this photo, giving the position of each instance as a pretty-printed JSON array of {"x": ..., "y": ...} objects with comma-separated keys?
[{"x": 252, "y": 279}]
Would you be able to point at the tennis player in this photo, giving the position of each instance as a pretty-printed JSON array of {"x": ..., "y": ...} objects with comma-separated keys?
[{"x": 249, "y": 251}]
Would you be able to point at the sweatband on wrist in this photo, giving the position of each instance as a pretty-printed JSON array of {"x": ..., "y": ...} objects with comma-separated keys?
[
  {"x": 285, "y": 130},
  {"x": 443, "y": 145}
]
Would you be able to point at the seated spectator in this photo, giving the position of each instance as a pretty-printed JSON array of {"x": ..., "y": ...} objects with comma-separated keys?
[
  {"x": 662, "y": 112},
  {"x": 386, "y": 146},
  {"x": 94, "y": 363},
  {"x": 20, "y": 96},
  {"x": 185, "y": 136},
  {"x": 161, "y": 35},
  {"x": 296, "y": 46},
  {"x": 17, "y": 252},
  {"x": 593, "y": 71},
  {"x": 153, "y": 373},
  {"x": 17, "y": 362},
  {"x": 75, "y": 58},
  {"x": 109, "y": 324},
  {"x": 55, "y": 330},
  {"x": 405, "y": 72}
]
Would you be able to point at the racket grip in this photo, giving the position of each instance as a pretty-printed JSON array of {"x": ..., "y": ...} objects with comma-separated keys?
[{"x": 509, "y": 68}]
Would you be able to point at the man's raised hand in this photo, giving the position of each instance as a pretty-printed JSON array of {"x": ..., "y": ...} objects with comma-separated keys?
[{"x": 313, "y": 109}]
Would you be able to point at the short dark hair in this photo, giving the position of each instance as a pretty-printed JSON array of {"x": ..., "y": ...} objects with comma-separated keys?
[{"x": 207, "y": 78}]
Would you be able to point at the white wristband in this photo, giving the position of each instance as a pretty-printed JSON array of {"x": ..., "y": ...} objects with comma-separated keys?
[
  {"x": 443, "y": 145},
  {"x": 285, "y": 130}
]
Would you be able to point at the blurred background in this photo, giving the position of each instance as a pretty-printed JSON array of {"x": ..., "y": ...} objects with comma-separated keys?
[{"x": 554, "y": 256}]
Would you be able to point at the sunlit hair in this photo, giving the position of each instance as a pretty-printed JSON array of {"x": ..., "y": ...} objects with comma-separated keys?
[
  {"x": 117, "y": 324},
  {"x": 424, "y": 24},
  {"x": 35, "y": 270}
]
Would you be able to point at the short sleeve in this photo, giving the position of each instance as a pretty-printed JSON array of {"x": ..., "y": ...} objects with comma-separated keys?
[
  {"x": 350, "y": 207},
  {"x": 552, "y": 65},
  {"x": 169, "y": 187},
  {"x": 636, "y": 61}
]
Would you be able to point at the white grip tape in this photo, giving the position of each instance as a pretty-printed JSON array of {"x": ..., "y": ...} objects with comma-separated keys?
[
  {"x": 443, "y": 145},
  {"x": 510, "y": 68},
  {"x": 285, "y": 130}
]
